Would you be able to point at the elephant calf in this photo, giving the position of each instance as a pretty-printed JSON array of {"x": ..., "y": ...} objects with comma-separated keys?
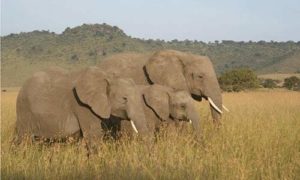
[
  {"x": 162, "y": 105},
  {"x": 58, "y": 104}
]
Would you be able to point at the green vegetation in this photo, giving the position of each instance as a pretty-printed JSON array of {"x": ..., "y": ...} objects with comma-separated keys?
[
  {"x": 269, "y": 83},
  {"x": 277, "y": 78},
  {"x": 25, "y": 53},
  {"x": 292, "y": 83},
  {"x": 238, "y": 80}
]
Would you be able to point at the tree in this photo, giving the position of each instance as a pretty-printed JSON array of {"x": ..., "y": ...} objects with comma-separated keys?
[
  {"x": 238, "y": 80},
  {"x": 292, "y": 83}
]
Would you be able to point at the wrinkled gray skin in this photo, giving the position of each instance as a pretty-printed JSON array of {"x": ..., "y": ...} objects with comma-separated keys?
[
  {"x": 164, "y": 107},
  {"x": 175, "y": 69},
  {"x": 58, "y": 104}
]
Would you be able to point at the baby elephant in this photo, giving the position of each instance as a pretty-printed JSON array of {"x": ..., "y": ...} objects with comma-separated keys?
[
  {"x": 163, "y": 105},
  {"x": 58, "y": 104}
]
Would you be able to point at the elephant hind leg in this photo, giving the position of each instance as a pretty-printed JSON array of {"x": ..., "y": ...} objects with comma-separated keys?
[{"x": 25, "y": 126}]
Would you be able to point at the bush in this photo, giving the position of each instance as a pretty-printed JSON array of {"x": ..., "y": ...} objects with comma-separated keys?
[
  {"x": 238, "y": 80},
  {"x": 74, "y": 58},
  {"x": 269, "y": 83},
  {"x": 292, "y": 83}
]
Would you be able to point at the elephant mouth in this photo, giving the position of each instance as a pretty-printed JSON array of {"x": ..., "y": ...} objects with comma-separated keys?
[
  {"x": 184, "y": 119},
  {"x": 181, "y": 118},
  {"x": 197, "y": 97}
]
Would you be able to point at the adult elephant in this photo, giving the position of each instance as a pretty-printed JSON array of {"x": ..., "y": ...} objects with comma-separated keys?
[
  {"x": 58, "y": 104},
  {"x": 175, "y": 69}
]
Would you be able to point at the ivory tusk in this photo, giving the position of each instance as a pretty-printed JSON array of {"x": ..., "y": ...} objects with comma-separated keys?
[
  {"x": 133, "y": 126},
  {"x": 213, "y": 105},
  {"x": 190, "y": 121},
  {"x": 224, "y": 107}
]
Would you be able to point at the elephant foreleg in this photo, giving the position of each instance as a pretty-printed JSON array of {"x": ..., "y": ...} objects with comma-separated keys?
[{"x": 90, "y": 125}]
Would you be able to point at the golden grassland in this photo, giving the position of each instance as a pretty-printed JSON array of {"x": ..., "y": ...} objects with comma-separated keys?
[{"x": 259, "y": 139}]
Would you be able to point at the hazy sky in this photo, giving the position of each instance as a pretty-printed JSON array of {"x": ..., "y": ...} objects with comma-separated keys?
[{"x": 205, "y": 20}]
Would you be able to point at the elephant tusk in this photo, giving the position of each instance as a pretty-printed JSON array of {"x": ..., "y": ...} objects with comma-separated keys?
[
  {"x": 133, "y": 126},
  {"x": 190, "y": 121},
  {"x": 224, "y": 107},
  {"x": 214, "y": 105}
]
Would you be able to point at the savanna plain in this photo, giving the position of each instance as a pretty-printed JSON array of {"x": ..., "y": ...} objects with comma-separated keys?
[{"x": 259, "y": 139}]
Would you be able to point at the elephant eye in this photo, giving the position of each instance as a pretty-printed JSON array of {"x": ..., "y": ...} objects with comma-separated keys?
[
  {"x": 125, "y": 99},
  {"x": 199, "y": 76},
  {"x": 182, "y": 106}
]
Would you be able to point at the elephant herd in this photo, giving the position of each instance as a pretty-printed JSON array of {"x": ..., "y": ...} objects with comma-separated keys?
[{"x": 126, "y": 93}]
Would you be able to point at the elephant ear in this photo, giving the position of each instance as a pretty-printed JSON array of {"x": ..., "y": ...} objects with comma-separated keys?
[
  {"x": 167, "y": 70},
  {"x": 158, "y": 100},
  {"x": 92, "y": 90}
]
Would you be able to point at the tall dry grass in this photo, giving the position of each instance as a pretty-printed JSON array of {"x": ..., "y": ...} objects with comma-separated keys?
[{"x": 259, "y": 139}]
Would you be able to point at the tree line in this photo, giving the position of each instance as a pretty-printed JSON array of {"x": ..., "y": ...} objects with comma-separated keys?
[{"x": 245, "y": 79}]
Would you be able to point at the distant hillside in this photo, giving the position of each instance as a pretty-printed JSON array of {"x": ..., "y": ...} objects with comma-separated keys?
[{"x": 25, "y": 53}]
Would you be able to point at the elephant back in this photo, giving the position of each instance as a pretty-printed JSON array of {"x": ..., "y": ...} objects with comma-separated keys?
[{"x": 126, "y": 65}]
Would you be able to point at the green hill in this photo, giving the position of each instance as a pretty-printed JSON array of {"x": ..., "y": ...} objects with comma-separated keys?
[{"x": 25, "y": 53}]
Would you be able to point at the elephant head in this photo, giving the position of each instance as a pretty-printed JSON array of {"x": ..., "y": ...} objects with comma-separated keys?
[
  {"x": 106, "y": 97},
  {"x": 183, "y": 71},
  {"x": 166, "y": 103},
  {"x": 126, "y": 102}
]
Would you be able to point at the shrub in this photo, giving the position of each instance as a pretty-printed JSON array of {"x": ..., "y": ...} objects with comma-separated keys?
[
  {"x": 74, "y": 58},
  {"x": 292, "y": 83},
  {"x": 269, "y": 83},
  {"x": 238, "y": 80}
]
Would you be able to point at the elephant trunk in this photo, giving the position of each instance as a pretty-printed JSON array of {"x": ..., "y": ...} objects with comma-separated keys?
[
  {"x": 135, "y": 113},
  {"x": 194, "y": 117},
  {"x": 214, "y": 96},
  {"x": 216, "y": 115}
]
